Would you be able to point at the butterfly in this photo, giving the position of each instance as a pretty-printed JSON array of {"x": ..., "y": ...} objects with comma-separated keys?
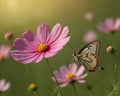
[{"x": 88, "y": 56}]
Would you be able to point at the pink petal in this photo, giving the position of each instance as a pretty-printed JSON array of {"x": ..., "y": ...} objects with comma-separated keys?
[
  {"x": 49, "y": 54},
  {"x": 103, "y": 27},
  {"x": 80, "y": 71},
  {"x": 59, "y": 75},
  {"x": 38, "y": 58},
  {"x": 32, "y": 45},
  {"x": 58, "y": 35},
  {"x": 2, "y": 83},
  {"x": 117, "y": 24},
  {"x": 83, "y": 76},
  {"x": 43, "y": 32},
  {"x": 64, "y": 32},
  {"x": 81, "y": 81},
  {"x": 61, "y": 42},
  {"x": 58, "y": 80},
  {"x": 55, "y": 33},
  {"x": 80, "y": 76},
  {"x": 73, "y": 67},
  {"x": 6, "y": 87},
  {"x": 5, "y": 50},
  {"x": 28, "y": 35},
  {"x": 28, "y": 58},
  {"x": 64, "y": 84},
  {"x": 59, "y": 45},
  {"x": 19, "y": 44},
  {"x": 90, "y": 36},
  {"x": 62, "y": 35},
  {"x": 64, "y": 70},
  {"x": 24, "y": 52},
  {"x": 109, "y": 22}
]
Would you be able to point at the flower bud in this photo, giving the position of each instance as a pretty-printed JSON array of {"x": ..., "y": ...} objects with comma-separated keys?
[
  {"x": 32, "y": 86},
  {"x": 8, "y": 35},
  {"x": 110, "y": 49}
]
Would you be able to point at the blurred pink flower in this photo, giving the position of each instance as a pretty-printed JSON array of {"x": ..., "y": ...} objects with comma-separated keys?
[
  {"x": 4, "y": 51},
  {"x": 33, "y": 48},
  {"x": 4, "y": 86},
  {"x": 90, "y": 36},
  {"x": 69, "y": 75},
  {"x": 8, "y": 35},
  {"x": 109, "y": 26},
  {"x": 89, "y": 16}
]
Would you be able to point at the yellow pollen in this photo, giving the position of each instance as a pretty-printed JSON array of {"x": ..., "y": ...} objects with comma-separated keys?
[
  {"x": 43, "y": 47},
  {"x": 70, "y": 75},
  {"x": 32, "y": 87}
]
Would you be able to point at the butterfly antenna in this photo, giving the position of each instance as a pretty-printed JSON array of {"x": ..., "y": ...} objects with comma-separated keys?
[{"x": 71, "y": 48}]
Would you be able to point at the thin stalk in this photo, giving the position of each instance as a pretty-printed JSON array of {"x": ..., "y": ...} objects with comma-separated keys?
[
  {"x": 54, "y": 76},
  {"x": 28, "y": 73},
  {"x": 35, "y": 93},
  {"x": 115, "y": 68},
  {"x": 74, "y": 88},
  {"x": 30, "y": 78}
]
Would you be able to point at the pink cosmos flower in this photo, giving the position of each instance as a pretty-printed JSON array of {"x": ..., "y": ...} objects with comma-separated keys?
[
  {"x": 69, "y": 74},
  {"x": 90, "y": 36},
  {"x": 4, "y": 86},
  {"x": 33, "y": 48},
  {"x": 109, "y": 26},
  {"x": 89, "y": 16},
  {"x": 4, "y": 52}
]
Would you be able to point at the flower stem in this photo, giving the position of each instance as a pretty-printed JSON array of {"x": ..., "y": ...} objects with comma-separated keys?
[
  {"x": 54, "y": 76},
  {"x": 115, "y": 66},
  {"x": 35, "y": 93},
  {"x": 74, "y": 88},
  {"x": 31, "y": 80},
  {"x": 28, "y": 73}
]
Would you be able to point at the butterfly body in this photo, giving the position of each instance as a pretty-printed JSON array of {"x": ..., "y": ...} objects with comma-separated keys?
[{"x": 88, "y": 56}]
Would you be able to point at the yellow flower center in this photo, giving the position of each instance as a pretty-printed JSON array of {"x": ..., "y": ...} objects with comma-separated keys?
[
  {"x": 2, "y": 57},
  {"x": 43, "y": 47},
  {"x": 32, "y": 87},
  {"x": 70, "y": 75}
]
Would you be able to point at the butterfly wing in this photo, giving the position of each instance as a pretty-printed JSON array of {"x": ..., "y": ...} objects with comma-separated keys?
[
  {"x": 88, "y": 56},
  {"x": 92, "y": 47}
]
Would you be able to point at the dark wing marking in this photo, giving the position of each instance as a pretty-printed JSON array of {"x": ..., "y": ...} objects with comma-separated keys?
[
  {"x": 90, "y": 62},
  {"x": 88, "y": 55},
  {"x": 92, "y": 47}
]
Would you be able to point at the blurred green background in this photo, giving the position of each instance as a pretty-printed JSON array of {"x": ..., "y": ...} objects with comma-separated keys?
[{"x": 19, "y": 15}]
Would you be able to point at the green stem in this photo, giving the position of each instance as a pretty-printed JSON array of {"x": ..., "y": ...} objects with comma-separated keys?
[
  {"x": 74, "y": 88},
  {"x": 115, "y": 63},
  {"x": 54, "y": 76},
  {"x": 28, "y": 73},
  {"x": 35, "y": 93},
  {"x": 111, "y": 93},
  {"x": 30, "y": 78}
]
